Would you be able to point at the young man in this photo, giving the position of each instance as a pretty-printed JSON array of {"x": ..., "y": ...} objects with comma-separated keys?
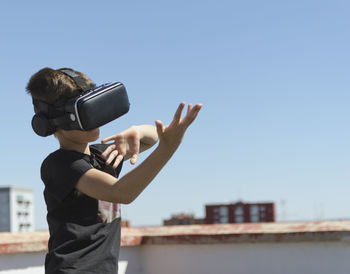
[{"x": 82, "y": 191}]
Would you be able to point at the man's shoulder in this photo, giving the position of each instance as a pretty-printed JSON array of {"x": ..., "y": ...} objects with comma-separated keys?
[
  {"x": 62, "y": 157},
  {"x": 51, "y": 157},
  {"x": 64, "y": 165}
]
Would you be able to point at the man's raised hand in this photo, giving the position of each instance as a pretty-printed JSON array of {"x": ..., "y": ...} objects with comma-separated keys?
[{"x": 171, "y": 136}]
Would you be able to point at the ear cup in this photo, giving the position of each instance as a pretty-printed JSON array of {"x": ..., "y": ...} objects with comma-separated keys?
[{"x": 42, "y": 126}]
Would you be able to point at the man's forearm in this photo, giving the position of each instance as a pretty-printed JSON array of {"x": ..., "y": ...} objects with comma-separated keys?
[{"x": 135, "y": 181}]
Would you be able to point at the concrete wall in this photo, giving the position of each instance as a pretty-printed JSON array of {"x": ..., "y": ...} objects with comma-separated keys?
[
  {"x": 271, "y": 248},
  {"x": 24, "y": 263},
  {"x": 33, "y": 263},
  {"x": 284, "y": 258},
  {"x": 278, "y": 258}
]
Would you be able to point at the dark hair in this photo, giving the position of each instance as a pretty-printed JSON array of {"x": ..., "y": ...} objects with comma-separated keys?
[{"x": 50, "y": 85}]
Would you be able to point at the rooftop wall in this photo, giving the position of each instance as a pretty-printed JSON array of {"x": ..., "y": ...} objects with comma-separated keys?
[{"x": 302, "y": 247}]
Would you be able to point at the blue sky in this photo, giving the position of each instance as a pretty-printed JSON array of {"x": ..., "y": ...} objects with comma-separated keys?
[{"x": 273, "y": 78}]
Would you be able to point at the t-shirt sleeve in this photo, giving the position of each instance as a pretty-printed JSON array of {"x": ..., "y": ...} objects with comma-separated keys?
[{"x": 61, "y": 172}]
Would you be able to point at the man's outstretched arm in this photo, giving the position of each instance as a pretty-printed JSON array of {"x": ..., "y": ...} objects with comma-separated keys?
[{"x": 103, "y": 186}]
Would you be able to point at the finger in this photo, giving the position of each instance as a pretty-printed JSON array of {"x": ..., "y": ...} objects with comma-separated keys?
[
  {"x": 117, "y": 161},
  {"x": 133, "y": 159},
  {"x": 191, "y": 116},
  {"x": 108, "y": 150},
  {"x": 160, "y": 127},
  {"x": 177, "y": 115},
  {"x": 194, "y": 112},
  {"x": 105, "y": 140},
  {"x": 111, "y": 157},
  {"x": 134, "y": 151},
  {"x": 189, "y": 107}
]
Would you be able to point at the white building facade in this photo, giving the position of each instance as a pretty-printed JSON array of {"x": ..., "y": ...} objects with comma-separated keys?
[{"x": 16, "y": 209}]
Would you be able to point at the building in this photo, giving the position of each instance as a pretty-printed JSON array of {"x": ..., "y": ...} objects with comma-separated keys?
[
  {"x": 228, "y": 213},
  {"x": 16, "y": 209},
  {"x": 183, "y": 219},
  {"x": 240, "y": 213}
]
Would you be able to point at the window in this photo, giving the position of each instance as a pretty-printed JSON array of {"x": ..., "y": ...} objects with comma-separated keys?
[
  {"x": 19, "y": 199},
  {"x": 239, "y": 217},
  {"x": 254, "y": 213},
  {"x": 216, "y": 213},
  {"x": 220, "y": 215},
  {"x": 262, "y": 210},
  {"x": 223, "y": 215}
]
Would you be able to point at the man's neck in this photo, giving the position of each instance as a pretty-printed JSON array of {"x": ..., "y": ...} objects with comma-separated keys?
[{"x": 70, "y": 145}]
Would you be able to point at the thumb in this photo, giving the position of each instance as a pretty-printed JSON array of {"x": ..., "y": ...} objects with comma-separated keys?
[
  {"x": 105, "y": 140},
  {"x": 160, "y": 127}
]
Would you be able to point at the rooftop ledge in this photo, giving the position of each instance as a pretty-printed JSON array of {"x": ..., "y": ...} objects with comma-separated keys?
[{"x": 12, "y": 243}]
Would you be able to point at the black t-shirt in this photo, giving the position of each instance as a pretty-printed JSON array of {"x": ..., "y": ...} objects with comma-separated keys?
[{"x": 81, "y": 241}]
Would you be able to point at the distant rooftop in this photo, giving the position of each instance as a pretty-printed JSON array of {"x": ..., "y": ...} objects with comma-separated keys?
[
  {"x": 11, "y": 243},
  {"x": 15, "y": 187}
]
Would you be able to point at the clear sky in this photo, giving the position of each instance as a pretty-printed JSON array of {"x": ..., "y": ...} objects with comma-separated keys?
[{"x": 273, "y": 78}]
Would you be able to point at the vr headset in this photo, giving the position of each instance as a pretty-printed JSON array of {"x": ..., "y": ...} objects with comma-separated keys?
[{"x": 87, "y": 108}]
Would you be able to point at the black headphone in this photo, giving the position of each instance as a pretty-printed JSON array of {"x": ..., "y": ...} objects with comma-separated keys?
[{"x": 44, "y": 123}]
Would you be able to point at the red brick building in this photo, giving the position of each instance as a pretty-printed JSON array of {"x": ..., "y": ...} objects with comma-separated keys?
[{"x": 240, "y": 213}]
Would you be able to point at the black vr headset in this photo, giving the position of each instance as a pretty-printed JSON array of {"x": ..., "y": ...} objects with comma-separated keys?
[{"x": 87, "y": 108}]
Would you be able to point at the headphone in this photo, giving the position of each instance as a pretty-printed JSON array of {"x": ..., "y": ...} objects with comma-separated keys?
[
  {"x": 42, "y": 125},
  {"x": 42, "y": 122}
]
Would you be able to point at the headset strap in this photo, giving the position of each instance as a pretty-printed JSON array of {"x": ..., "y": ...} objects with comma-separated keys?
[
  {"x": 54, "y": 114},
  {"x": 41, "y": 106},
  {"x": 63, "y": 101},
  {"x": 62, "y": 121},
  {"x": 76, "y": 78}
]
